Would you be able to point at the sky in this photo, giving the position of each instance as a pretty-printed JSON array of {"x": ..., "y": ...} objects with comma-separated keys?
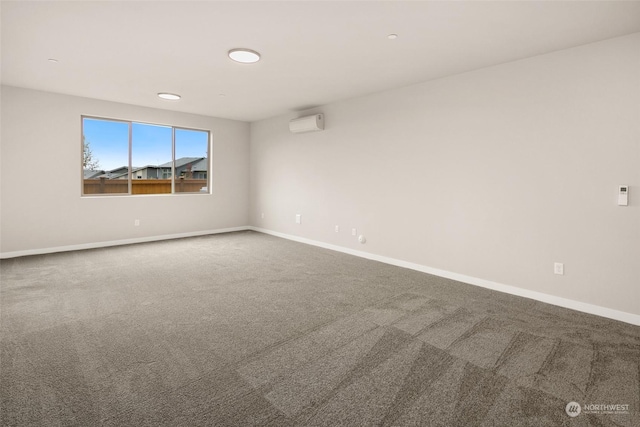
[{"x": 151, "y": 144}]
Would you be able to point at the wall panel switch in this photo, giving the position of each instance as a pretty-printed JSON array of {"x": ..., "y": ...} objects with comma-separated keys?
[
  {"x": 298, "y": 219},
  {"x": 337, "y": 228},
  {"x": 354, "y": 232},
  {"x": 623, "y": 195}
]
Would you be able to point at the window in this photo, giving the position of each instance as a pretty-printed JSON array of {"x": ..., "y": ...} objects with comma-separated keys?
[
  {"x": 192, "y": 152},
  {"x": 123, "y": 157}
]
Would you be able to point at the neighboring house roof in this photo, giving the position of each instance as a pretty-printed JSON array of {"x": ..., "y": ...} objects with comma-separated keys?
[
  {"x": 89, "y": 174},
  {"x": 111, "y": 174},
  {"x": 182, "y": 161},
  {"x": 114, "y": 173},
  {"x": 122, "y": 171},
  {"x": 146, "y": 167}
]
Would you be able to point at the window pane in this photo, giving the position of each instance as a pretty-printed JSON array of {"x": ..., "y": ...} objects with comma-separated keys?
[
  {"x": 105, "y": 160},
  {"x": 150, "y": 159},
  {"x": 192, "y": 161}
]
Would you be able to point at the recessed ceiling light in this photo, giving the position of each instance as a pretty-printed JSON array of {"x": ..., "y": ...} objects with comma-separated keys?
[
  {"x": 245, "y": 56},
  {"x": 55, "y": 61},
  {"x": 392, "y": 36},
  {"x": 169, "y": 96}
]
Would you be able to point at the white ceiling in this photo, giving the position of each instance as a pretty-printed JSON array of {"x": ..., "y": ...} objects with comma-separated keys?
[{"x": 313, "y": 52}]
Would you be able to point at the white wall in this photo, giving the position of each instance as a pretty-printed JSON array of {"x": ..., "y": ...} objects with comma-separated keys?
[
  {"x": 494, "y": 174},
  {"x": 41, "y": 207}
]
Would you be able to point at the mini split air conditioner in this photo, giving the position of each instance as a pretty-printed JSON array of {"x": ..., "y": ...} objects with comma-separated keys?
[{"x": 307, "y": 124}]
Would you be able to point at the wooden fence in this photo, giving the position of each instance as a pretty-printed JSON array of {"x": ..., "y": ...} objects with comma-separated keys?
[{"x": 142, "y": 186}]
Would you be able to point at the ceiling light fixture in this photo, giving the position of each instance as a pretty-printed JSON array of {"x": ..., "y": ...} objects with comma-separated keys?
[
  {"x": 53, "y": 60},
  {"x": 392, "y": 36},
  {"x": 169, "y": 96},
  {"x": 244, "y": 56}
]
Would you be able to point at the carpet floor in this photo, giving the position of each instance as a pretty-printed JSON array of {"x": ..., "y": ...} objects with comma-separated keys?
[{"x": 246, "y": 329}]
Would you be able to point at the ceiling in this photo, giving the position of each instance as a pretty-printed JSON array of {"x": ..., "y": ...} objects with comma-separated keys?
[{"x": 313, "y": 52}]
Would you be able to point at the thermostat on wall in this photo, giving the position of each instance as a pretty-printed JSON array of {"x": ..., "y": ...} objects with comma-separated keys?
[{"x": 623, "y": 195}]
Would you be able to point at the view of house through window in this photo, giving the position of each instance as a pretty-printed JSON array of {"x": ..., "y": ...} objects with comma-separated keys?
[
  {"x": 192, "y": 157},
  {"x": 121, "y": 157}
]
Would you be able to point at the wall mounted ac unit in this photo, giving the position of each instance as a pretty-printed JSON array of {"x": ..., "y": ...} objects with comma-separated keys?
[{"x": 307, "y": 124}]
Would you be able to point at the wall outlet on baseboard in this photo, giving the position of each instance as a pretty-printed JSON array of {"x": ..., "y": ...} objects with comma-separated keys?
[
  {"x": 354, "y": 232},
  {"x": 558, "y": 268},
  {"x": 337, "y": 228},
  {"x": 298, "y": 219},
  {"x": 136, "y": 223}
]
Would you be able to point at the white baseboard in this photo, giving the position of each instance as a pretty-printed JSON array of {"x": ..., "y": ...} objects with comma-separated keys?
[
  {"x": 622, "y": 316},
  {"x": 5, "y": 255}
]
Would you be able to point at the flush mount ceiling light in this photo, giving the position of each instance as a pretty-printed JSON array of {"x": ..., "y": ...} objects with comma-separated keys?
[
  {"x": 53, "y": 60},
  {"x": 244, "y": 56},
  {"x": 169, "y": 96},
  {"x": 392, "y": 36}
]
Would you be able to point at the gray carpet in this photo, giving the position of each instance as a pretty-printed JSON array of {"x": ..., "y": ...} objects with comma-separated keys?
[{"x": 248, "y": 329}]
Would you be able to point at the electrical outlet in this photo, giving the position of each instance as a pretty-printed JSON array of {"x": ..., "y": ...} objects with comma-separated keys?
[
  {"x": 337, "y": 228},
  {"x": 558, "y": 268},
  {"x": 136, "y": 223},
  {"x": 262, "y": 215},
  {"x": 298, "y": 219},
  {"x": 354, "y": 232}
]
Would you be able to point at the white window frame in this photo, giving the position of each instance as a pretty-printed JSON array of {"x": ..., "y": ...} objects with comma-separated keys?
[{"x": 130, "y": 176}]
